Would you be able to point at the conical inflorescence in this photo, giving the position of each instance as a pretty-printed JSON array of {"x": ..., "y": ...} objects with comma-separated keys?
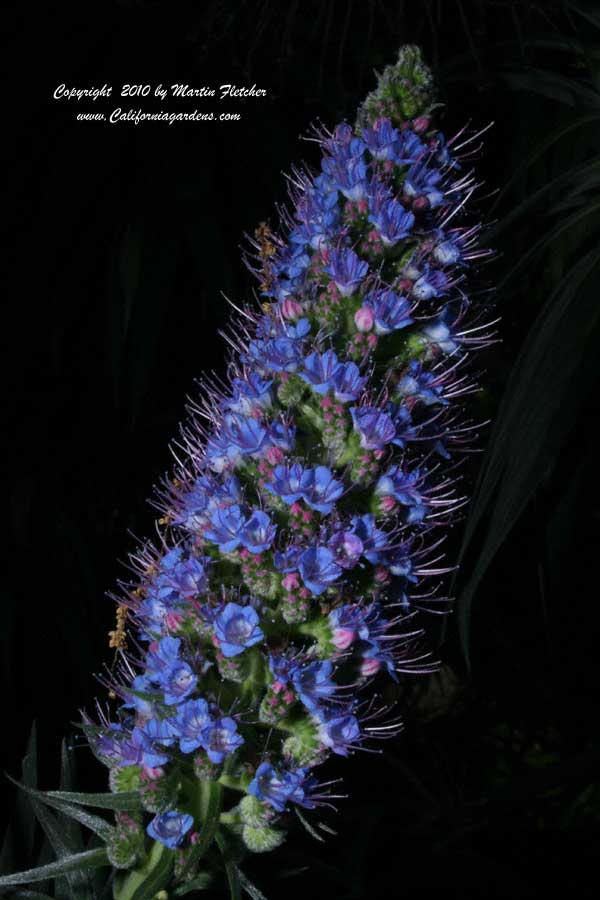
[{"x": 300, "y": 532}]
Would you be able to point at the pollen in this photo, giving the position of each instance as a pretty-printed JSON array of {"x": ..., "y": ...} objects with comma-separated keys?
[{"x": 118, "y": 637}]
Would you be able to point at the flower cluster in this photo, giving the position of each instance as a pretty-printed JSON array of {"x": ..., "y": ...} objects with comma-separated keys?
[{"x": 299, "y": 533}]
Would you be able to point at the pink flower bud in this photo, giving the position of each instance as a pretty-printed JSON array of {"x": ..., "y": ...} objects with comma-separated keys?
[
  {"x": 173, "y": 621},
  {"x": 343, "y": 637},
  {"x": 364, "y": 318},
  {"x": 370, "y": 667},
  {"x": 381, "y": 575},
  {"x": 420, "y": 124},
  {"x": 274, "y": 455},
  {"x": 420, "y": 204},
  {"x": 277, "y": 686},
  {"x": 291, "y": 581},
  {"x": 387, "y": 504},
  {"x": 291, "y": 309}
]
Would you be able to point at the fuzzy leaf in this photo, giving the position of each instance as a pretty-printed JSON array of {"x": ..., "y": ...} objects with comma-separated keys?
[
  {"x": 96, "y": 824},
  {"x": 249, "y": 887},
  {"x": 78, "y": 862},
  {"x": 126, "y": 801},
  {"x": 231, "y": 870}
]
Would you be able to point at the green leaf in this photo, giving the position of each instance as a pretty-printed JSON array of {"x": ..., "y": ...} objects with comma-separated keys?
[
  {"x": 126, "y": 801},
  {"x": 94, "y": 823},
  {"x": 72, "y": 829},
  {"x": 249, "y": 887},
  {"x": 231, "y": 870},
  {"x": 309, "y": 827},
  {"x": 201, "y": 883},
  {"x": 146, "y": 881},
  {"x": 208, "y": 811},
  {"x": 78, "y": 862},
  {"x": 30, "y": 895}
]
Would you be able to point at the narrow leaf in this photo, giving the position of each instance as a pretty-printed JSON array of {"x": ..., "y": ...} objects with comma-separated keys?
[
  {"x": 90, "y": 859},
  {"x": 94, "y": 823},
  {"x": 231, "y": 870},
  {"x": 249, "y": 887}
]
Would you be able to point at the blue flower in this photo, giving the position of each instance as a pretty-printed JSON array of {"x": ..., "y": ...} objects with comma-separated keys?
[
  {"x": 313, "y": 683},
  {"x": 318, "y": 569},
  {"x": 390, "y": 218},
  {"x": 392, "y": 312},
  {"x": 162, "y": 656},
  {"x": 220, "y": 738},
  {"x": 373, "y": 539},
  {"x": 421, "y": 385},
  {"x": 157, "y": 731},
  {"x": 319, "y": 370},
  {"x": 338, "y": 731},
  {"x": 404, "y": 486},
  {"x": 177, "y": 681},
  {"x": 347, "y": 548},
  {"x": 192, "y": 718},
  {"x": 287, "y": 561},
  {"x": 244, "y": 434},
  {"x": 226, "y": 526},
  {"x": 237, "y": 628},
  {"x": 432, "y": 283},
  {"x": 422, "y": 181},
  {"x": 347, "y": 382},
  {"x": 376, "y": 429},
  {"x": 287, "y": 482},
  {"x": 250, "y": 393},
  {"x": 276, "y": 788},
  {"x": 382, "y": 139},
  {"x": 188, "y": 577},
  {"x": 170, "y": 828},
  {"x": 321, "y": 490},
  {"x": 258, "y": 532},
  {"x": 346, "y": 269}
]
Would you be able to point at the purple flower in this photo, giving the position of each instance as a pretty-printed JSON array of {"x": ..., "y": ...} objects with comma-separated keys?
[
  {"x": 338, "y": 731},
  {"x": 347, "y": 548},
  {"x": 347, "y": 382},
  {"x": 286, "y": 482},
  {"x": 157, "y": 731},
  {"x": 170, "y": 828},
  {"x": 250, "y": 393},
  {"x": 432, "y": 283},
  {"x": 187, "y": 578},
  {"x": 245, "y": 435},
  {"x": 375, "y": 428},
  {"x": 318, "y": 569},
  {"x": 321, "y": 490},
  {"x": 390, "y": 219},
  {"x": 421, "y": 385},
  {"x": 392, "y": 312},
  {"x": 177, "y": 682},
  {"x": 382, "y": 139},
  {"x": 276, "y": 788},
  {"x": 287, "y": 561},
  {"x": 237, "y": 628},
  {"x": 346, "y": 269},
  {"x": 313, "y": 683},
  {"x": 319, "y": 370},
  {"x": 258, "y": 533},
  {"x": 161, "y": 656},
  {"x": 192, "y": 717},
  {"x": 373, "y": 539},
  {"x": 220, "y": 738},
  {"x": 225, "y": 528},
  {"x": 422, "y": 181}
]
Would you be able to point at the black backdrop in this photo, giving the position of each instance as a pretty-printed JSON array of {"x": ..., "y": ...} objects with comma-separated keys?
[{"x": 120, "y": 240}]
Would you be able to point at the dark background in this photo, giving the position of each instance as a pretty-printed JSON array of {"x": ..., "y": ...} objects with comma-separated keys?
[{"x": 120, "y": 240}]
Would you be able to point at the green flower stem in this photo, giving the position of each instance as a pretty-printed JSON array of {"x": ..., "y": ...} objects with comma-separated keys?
[
  {"x": 207, "y": 802},
  {"x": 160, "y": 859}
]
